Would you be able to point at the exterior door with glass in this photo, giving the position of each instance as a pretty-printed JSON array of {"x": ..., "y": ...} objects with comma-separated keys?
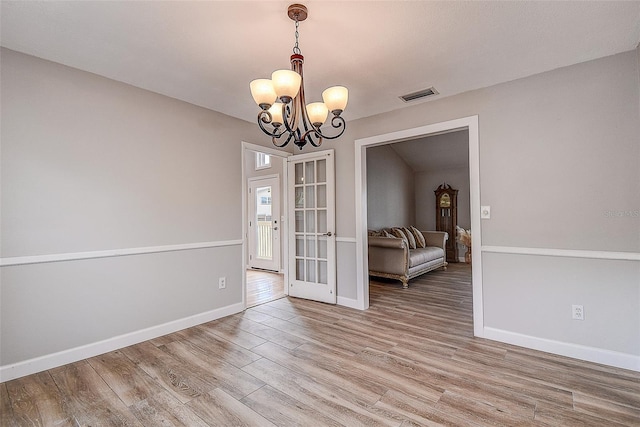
[
  {"x": 264, "y": 223},
  {"x": 312, "y": 239}
]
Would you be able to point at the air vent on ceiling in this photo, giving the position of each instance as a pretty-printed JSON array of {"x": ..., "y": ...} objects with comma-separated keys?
[{"x": 419, "y": 94}]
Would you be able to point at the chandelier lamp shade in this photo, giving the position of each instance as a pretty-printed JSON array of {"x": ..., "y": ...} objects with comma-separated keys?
[{"x": 284, "y": 114}]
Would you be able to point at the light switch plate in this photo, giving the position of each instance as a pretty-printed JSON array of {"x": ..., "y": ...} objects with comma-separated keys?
[{"x": 485, "y": 212}]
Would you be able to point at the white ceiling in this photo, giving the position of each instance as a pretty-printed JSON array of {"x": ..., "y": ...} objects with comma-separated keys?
[
  {"x": 435, "y": 153},
  {"x": 207, "y": 52}
]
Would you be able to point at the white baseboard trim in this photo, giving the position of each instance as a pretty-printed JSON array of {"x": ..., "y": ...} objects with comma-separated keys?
[
  {"x": 576, "y": 351},
  {"x": 42, "y": 363},
  {"x": 349, "y": 302}
]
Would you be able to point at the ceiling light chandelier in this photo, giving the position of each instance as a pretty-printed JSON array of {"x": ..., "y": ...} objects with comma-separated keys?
[{"x": 291, "y": 118}]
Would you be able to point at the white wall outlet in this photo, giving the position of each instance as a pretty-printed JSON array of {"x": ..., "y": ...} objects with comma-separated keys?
[
  {"x": 577, "y": 312},
  {"x": 222, "y": 283},
  {"x": 485, "y": 212}
]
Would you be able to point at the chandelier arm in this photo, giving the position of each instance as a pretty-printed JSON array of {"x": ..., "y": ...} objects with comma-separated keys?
[
  {"x": 289, "y": 117},
  {"x": 273, "y": 140},
  {"x": 310, "y": 131},
  {"x": 336, "y": 122},
  {"x": 265, "y": 117},
  {"x": 308, "y": 135}
]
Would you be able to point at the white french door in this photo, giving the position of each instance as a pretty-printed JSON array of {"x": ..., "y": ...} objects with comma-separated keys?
[
  {"x": 264, "y": 223},
  {"x": 312, "y": 239}
]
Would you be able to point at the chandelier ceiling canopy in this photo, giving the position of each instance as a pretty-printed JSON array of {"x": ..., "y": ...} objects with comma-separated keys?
[{"x": 284, "y": 114}]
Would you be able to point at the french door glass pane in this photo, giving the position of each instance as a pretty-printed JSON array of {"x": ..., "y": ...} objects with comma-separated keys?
[
  {"x": 322, "y": 247},
  {"x": 299, "y": 174},
  {"x": 311, "y": 270},
  {"x": 322, "y": 171},
  {"x": 311, "y": 196},
  {"x": 309, "y": 176},
  {"x": 322, "y": 272},
  {"x": 299, "y": 221},
  {"x": 322, "y": 221},
  {"x": 299, "y": 269},
  {"x": 299, "y": 197},
  {"x": 299, "y": 246},
  {"x": 311, "y": 247},
  {"x": 322, "y": 196},
  {"x": 311, "y": 221}
]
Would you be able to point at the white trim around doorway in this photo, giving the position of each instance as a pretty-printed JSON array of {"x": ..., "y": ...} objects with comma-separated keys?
[{"x": 362, "y": 268}]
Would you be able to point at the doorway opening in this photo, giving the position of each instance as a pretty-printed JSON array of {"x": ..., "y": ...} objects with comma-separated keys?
[
  {"x": 402, "y": 181},
  {"x": 471, "y": 125},
  {"x": 264, "y": 172}
]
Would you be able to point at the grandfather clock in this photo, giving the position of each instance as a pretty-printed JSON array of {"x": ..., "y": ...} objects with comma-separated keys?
[{"x": 447, "y": 217}]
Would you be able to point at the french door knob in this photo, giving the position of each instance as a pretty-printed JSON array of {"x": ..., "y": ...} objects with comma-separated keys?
[{"x": 327, "y": 234}]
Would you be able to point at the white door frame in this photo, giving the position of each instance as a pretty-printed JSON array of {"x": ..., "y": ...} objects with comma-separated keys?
[
  {"x": 249, "y": 149},
  {"x": 275, "y": 208},
  {"x": 362, "y": 267}
]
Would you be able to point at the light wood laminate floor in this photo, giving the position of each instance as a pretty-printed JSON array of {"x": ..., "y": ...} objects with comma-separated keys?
[
  {"x": 263, "y": 286},
  {"x": 409, "y": 360}
]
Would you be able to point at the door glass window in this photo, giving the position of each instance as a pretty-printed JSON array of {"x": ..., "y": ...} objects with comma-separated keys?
[{"x": 264, "y": 223}]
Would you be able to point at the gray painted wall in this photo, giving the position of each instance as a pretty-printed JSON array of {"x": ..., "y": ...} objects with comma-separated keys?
[
  {"x": 558, "y": 151},
  {"x": 51, "y": 307},
  {"x": 532, "y": 295},
  {"x": 391, "y": 194},
  {"x": 90, "y": 164}
]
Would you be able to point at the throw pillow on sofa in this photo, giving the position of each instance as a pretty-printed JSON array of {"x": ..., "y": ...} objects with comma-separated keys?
[
  {"x": 420, "y": 242},
  {"x": 412, "y": 240},
  {"x": 400, "y": 234},
  {"x": 385, "y": 233}
]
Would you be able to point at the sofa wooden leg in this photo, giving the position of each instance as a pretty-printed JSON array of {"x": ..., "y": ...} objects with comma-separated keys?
[
  {"x": 444, "y": 267},
  {"x": 405, "y": 284}
]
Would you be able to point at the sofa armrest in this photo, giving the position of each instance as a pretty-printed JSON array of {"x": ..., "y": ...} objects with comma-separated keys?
[
  {"x": 388, "y": 255},
  {"x": 436, "y": 238}
]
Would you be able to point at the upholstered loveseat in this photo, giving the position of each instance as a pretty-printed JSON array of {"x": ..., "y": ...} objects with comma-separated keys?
[{"x": 393, "y": 255}]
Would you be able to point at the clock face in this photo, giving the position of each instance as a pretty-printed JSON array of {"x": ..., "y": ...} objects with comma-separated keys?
[{"x": 445, "y": 201}]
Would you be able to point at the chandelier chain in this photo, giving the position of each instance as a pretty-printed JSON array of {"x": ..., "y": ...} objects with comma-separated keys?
[{"x": 296, "y": 48}]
